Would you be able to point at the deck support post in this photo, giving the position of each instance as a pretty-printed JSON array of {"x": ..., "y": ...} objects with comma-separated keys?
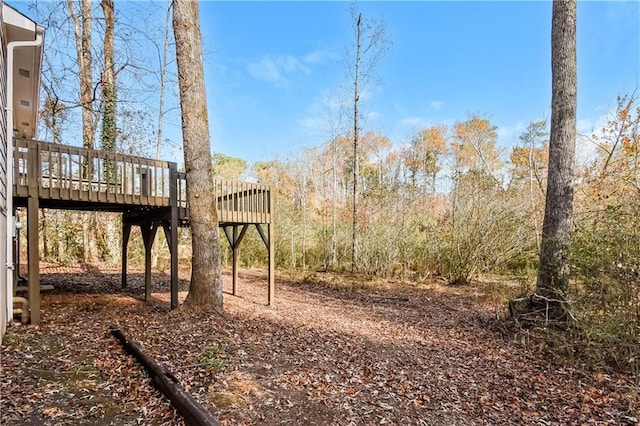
[
  {"x": 148, "y": 235},
  {"x": 16, "y": 254},
  {"x": 172, "y": 237},
  {"x": 272, "y": 264},
  {"x": 231, "y": 238},
  {"x": 33, "y": 258},
  {"x": 234, "y": 261},
  {"x": 268, "y": 241},
  {"x": 126, "y": 234},
  {"x": 235, "y": 239},
  {"x": 171, "y": 234}
]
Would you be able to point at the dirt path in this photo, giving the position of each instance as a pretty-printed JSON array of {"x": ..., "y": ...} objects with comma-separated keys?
[
  {"x": 324, "y": 354},
  {"x": 401, "y": 356}
]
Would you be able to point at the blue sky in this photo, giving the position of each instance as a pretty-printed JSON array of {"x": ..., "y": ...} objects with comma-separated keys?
[{"x": 275, "y": 69}]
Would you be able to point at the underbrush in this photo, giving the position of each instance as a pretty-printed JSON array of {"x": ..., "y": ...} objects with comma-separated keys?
[
  {"x": 606, "y": 289},
  {"x": 601, "y": 337}
]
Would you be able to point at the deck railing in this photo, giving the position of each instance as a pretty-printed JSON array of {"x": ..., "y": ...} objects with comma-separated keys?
[
  {"x": 63, "y": 172},
  {"x": 237, "y": 201},
  {"x": 70, "y": 173},
  {"x": 242, "y": 202}
]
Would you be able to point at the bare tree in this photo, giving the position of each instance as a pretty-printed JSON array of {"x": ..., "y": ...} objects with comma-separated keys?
[
  {"x": 334, "y": 203},
  {"x": 161, "y": 113},
  {"x": 370, "y": 44},
  {"x": 553, "y": 270},
  {"x": 205, "y": 291},
  {"x": 356, "y": 134},
  {"x": 82, "y": 28},
  {"x": 108, "y": 85},
  {"x": 163, "y": 78},
  {"x": 533, "y": 139},
  {"x": 109, "y": 128}
]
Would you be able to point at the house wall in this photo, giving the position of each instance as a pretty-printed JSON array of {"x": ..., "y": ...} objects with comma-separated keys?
[{"x": 3, "y": 181}]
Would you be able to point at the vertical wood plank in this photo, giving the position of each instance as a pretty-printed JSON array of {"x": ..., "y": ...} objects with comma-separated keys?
[
  {"x": 173, "y": 244},
  {"x": 234, "y": 260},
  {"x": 271, "y": 266},
  {"x": 32, "y": 165},
  {"x": 126, "y": 234},
  {"x": 148, "y": 234},
  {"x": 243, "y": 202},
  {"x": 33, "y": 259}
]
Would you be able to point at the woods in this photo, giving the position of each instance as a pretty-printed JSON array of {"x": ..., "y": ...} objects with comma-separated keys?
[
  {"x": 452, "y": 200},
  {"x": 446, "y": 201},
  {"x": 454, "y": 205},
  {"x": 459, "y": 271}
]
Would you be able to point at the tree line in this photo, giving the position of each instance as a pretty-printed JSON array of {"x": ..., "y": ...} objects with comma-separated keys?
[{"x": 448, "y": 202}]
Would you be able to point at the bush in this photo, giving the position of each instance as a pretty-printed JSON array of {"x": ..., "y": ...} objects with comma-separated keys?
[
  {"x": 485, "y": 229},
  {"x": 606, "y": 263}
]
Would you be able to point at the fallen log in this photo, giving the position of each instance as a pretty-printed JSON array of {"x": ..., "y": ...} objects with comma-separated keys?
[{"x": 192, "y": 412}]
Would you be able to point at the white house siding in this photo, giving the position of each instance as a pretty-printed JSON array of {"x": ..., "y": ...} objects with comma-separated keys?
[{"x": 3, "y": 182}]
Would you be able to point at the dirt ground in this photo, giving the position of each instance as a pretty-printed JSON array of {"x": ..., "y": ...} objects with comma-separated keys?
[{"x": 327, "y": 353}]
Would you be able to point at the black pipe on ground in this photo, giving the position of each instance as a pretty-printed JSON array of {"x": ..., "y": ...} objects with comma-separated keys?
[{"x": 192, "y": 412}]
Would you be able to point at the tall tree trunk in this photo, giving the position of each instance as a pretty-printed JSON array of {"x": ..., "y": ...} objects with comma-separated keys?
[
  {"x": 109, "y": 102},
  {"x": 60, "y": 235},
  {"x": 356, "y": 135},
  {"x": 163, "y": 77},
  {"x": 82, "y": 27},
  {"x": 553, "y": 271},
  {"x": 112, "y": 237},
  {"x": 56, "y": 109},
  {"x": 108, "y": 86},
  {"x": 304, "y": 220},
  {"x": 89, "y": 228},
  {"x": 205, "y": 291},
  {"x": 293, "y": 248},
  {"x": 334, "y": 205}
]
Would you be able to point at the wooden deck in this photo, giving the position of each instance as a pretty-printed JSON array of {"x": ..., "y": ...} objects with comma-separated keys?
[
  {"x": 69, "y": 177},
  {"x": 149, "y": 193},
  {"x": 72, "y": 177}
]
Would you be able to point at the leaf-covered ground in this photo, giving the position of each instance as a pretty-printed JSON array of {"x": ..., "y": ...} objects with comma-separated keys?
[{"x": 326, "y": 353}]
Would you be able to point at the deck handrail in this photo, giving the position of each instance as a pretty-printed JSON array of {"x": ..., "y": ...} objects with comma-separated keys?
[
  {"x": 66, "y": 172},
  {"x": 236, "y": 201},
  {"x": 242, "y": 202},
  {"x": 71, "y": 173}
]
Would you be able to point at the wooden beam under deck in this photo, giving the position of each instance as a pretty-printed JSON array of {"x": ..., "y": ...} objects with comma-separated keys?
[{"x": 33, "y": 258}]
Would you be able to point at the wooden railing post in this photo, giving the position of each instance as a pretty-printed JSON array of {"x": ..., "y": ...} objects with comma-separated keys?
[
  {"x": 33, "y": 168},
  {"x": 144, "y": 182}
]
